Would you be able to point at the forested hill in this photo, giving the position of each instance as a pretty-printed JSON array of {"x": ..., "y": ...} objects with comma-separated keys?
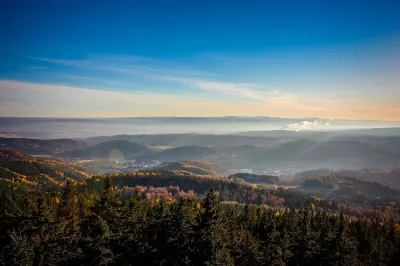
[
  {"x": 113, "y": 150},
  {"x": 336, "y": 184},
  {"x": 120, "y": 219},
  {"x": 192, "y": 166},
  {"x": 297, "y": 151},
  {"x": 41, "y": 146},
  {"x": 188, "y": 139},
  {"x": 107, "y": 228},
  {"x": 21, "y": 171},
  {"x": 258, "y": 179}
]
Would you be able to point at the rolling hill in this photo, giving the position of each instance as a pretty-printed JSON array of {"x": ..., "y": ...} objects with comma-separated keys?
[
  {"x": 386, "y": 176},
  {"x": 256, "y": 179},
  {"x": 186, "y": 153},
  {"x": 194, "y": 167},
  {"x": 18, "y": 170},
  {"x": 41, "y": 146},
  {"x": 115, "y": 150},
  {"x": 338, "y": 185},
  {"x": 176, "y": 140},
  {"x": 349, "y": 154},
  {"x": 298, "y": 154},
  {"x": 277, "y": 149}
]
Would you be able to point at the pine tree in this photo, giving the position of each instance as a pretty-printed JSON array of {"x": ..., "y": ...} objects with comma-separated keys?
[
  {"x": 19, "y": 252},
  {"x": 68, "y": 210},
  {"x": 306, "y": 249},
  {"x": 346, "y": 249},
  {"x": 207, "y": 248},
  {"x": 272, "y": 248}
]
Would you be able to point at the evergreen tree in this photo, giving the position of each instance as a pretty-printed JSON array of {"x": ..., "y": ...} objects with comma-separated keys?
[{"x": 346, "y": 249}]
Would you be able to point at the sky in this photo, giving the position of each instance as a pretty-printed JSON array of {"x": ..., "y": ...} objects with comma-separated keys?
[{"x": 329, "y": 59}]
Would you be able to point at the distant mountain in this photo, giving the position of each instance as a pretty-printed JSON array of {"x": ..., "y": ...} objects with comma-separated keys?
[
  {"x": 387, "y": 142},
  {"x": 83, "y": 128},
  {"x": 349, "y": 154},
  {"x": 383, "y": 132},
  {"x": 299, "y": 154},
  {"x": 275, "y": 149},
  {"x": 41, "y": 146},
  {"x": 115, "y": 150},
  {"x": 176, "y": 140},
  {"x": 186, "y": 153},
  {"x": 194, "y": 167},
  {"x": 18, "y": 170},
  {"x": 273, "y": 134}
]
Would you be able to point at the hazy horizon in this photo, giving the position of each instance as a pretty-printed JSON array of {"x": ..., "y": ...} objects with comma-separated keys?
[
  {"x": 193, "y": 117},
  {"x": 89, "y": 127}
]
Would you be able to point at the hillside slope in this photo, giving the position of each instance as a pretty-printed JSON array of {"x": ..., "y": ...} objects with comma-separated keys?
[
  {"x": 21, "y": 170},
  {"x": 349, "y": 154},
  {"x": 344, "y": 186},
  {"x": 188, "y": 139},
  {"x": 115, "y": 150},
  {"x": 299, "y": 154},
  {"x": 195, "y": 167},
  {"x": 41, "y": 146},
  {"x": 186, "y": 153},
  {"x": 256, "y": 179}
]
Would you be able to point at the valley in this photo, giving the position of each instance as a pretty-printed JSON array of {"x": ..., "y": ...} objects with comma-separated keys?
[{"x": 344, "y": 167}]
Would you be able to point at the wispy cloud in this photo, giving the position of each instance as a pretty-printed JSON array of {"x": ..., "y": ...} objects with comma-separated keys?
[
  {"x": 114, "y": 93},
  {"x": 149, "y": 67},
  {"x": 34, "y": 99},
  {"x": 241, "y": 90},
  {"x": 144, "y": 67}
]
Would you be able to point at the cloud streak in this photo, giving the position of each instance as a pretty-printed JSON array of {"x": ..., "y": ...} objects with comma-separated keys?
[
  {"x": 138, "y": 86},
  {"x": 53, "y": 100},
  {"x": 143, "y": 67},
  {"x": 227, "y": 88}
]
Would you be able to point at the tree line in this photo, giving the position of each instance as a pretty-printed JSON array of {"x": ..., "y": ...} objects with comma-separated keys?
[{"x": 70, "y": 227}]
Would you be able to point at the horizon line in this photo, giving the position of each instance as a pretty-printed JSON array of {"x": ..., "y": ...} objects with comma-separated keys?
[{"x": 194, "y": 117}]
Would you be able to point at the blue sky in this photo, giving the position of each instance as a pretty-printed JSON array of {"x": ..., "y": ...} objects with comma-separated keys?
[{"x": 332, "y": 59}]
